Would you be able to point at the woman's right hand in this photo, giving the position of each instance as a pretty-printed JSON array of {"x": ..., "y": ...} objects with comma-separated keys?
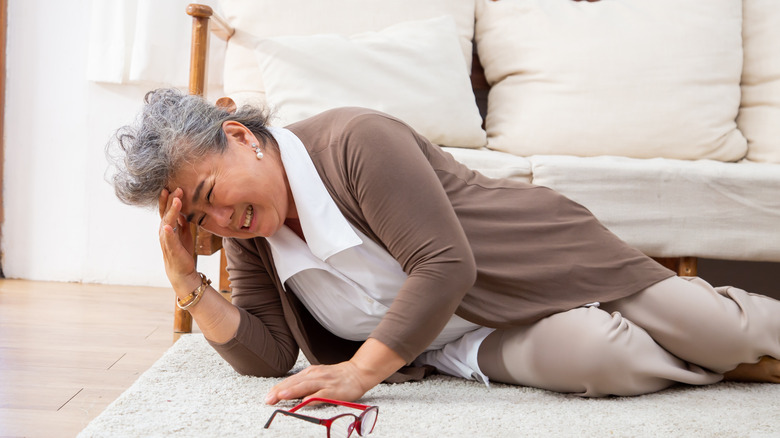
[
  {"x": 217, "y": 318},
  {"x": 177, "y": 243}
]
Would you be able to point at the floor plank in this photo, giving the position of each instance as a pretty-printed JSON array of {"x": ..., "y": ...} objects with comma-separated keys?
[
  {"x": 40, "y": 423},
  {"x": 68, "y": 350}
]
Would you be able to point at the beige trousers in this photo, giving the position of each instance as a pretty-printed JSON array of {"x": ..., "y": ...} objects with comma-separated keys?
[{"x": 678, "y": 330}]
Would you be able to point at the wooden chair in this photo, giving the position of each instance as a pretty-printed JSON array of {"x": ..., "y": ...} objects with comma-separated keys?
[{"x": 207, "y": 243}]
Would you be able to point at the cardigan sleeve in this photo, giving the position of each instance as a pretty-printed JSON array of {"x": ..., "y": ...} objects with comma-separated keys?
[
  {"x": 403, "y": 202},
  {"x": 263, "y": 344}
]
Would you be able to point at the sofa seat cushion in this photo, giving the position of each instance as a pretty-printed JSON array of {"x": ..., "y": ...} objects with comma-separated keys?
[
  {"x": 493, "y": 164},
  {"x": 672, "y": 208}
]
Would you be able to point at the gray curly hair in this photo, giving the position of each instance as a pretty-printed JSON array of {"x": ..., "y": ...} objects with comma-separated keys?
[{"x": 172, "y": 129}]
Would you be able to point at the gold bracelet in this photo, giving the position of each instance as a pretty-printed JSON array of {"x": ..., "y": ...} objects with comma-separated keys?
[{"x": 195, "y": 296}]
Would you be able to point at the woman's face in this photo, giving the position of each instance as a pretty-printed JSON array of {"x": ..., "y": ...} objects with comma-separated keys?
[{"x": 234, "y": 194}]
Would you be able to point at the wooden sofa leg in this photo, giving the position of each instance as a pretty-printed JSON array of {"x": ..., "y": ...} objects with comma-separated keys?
[
  {"x": 688, "y": 267},
  {"x": 683, "y": 266},
  {"x": 182, "y": 320},
  {"x": 224, "y": 283}
]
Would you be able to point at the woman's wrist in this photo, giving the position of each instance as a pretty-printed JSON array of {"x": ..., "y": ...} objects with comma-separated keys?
[
  {"x": 374, "y": 362},
  {"x": 194, "y": 297},
  {"x": 216, "y": 317},
  {"x": 186, "y": 285}
]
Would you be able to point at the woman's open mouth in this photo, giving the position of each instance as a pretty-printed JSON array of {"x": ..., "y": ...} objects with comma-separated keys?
[{"x": 250, "y": 213}]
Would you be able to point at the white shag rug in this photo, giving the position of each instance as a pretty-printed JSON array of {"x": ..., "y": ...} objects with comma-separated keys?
[{"x": 192, "y": 392}]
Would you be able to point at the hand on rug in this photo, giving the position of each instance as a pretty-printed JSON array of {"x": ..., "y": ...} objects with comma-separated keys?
[
  {"x": 338, "y": 382},
  {"x": 346, "y": 381}
]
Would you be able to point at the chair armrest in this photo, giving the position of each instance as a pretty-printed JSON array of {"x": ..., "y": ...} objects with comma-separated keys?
[
  {"x": 217, "y": 25},
  {"x": 207, "y": 243}
]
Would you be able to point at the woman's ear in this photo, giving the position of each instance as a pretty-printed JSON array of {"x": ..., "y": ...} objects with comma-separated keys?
[{"x": 238, "y": 132}]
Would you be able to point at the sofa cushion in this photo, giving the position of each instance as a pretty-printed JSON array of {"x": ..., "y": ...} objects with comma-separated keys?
[
  {"x": 493, "y": 164},
  {"x": 759, "y": 114},
  {"x": 672, "y": 208},
  {"x": 412, "y": 70},
  {"x": 254, "y": 20},
  {"x": 633, "y": 78}
]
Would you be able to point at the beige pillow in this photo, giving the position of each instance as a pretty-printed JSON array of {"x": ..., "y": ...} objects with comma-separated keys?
[
  {"x": 414, "y": 71},
  {"x": 255, "y": 20},
  {"x": 759, "y": 115},
  {"x": 633, "y": 78}
]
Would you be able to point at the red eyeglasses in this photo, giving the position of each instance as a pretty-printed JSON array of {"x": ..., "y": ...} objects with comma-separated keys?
[{"x": 340, "y": 426}]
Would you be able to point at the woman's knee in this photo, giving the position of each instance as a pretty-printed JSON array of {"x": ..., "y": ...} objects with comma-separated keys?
[
  {"x": 600, "y": 354},
  {"x": 587, "y": 341},
  {"x": 574, "y": 351}
]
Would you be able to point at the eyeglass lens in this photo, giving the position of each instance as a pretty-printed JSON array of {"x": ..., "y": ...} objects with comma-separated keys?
[
  {"x": 342, "y": 426},
  {"x": 367, "y": 421}
]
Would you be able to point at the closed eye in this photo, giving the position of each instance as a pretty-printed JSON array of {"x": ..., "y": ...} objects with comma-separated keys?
[{"x": 208, "y": 200}]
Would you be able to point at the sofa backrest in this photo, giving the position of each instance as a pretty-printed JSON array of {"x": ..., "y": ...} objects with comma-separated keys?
[
  {"x": 257, "y": 20},
  {"x": 684, "y": 80}
]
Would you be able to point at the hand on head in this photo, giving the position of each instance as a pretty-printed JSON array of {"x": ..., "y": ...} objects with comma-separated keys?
[{"x": 176, "y": 242}]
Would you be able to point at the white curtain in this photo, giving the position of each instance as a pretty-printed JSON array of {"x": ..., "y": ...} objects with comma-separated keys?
[{"x": 143, "y": 41}]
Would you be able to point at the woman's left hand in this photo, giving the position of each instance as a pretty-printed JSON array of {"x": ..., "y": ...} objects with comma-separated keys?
[
  {"x": 341, "y": 381},
  {"x": 346, "y": 381}
]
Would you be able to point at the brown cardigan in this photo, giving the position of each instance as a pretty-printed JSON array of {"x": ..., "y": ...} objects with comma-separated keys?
[{"x": 498, "y": 253}]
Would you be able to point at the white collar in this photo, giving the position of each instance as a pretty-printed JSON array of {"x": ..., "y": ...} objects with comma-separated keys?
[{"x": 325, "y": 227}]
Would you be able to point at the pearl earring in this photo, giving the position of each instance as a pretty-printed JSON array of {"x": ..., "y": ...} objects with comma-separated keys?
[{"x": 258, "y": 152}]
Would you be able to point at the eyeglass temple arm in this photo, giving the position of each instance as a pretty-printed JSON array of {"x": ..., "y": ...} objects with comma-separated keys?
[
  {"x": 329, "y": 401},
  {"x": 293, "y": 414}
]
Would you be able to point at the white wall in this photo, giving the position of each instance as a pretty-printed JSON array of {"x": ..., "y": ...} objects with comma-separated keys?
[{"x": 62, "y": 220}]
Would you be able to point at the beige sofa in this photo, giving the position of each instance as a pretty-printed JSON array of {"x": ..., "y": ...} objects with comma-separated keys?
[{"x": 662, "y": 117}]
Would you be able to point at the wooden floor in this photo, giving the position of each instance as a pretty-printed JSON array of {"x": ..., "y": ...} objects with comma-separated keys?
[{"x": 68, "y": 350}]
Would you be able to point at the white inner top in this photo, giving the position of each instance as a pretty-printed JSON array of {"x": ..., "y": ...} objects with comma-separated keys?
[{"x": 346, "y": 280}]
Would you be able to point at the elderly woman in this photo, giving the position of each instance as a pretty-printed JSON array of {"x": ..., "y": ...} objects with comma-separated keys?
[{"x": 351, "y": 237}]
